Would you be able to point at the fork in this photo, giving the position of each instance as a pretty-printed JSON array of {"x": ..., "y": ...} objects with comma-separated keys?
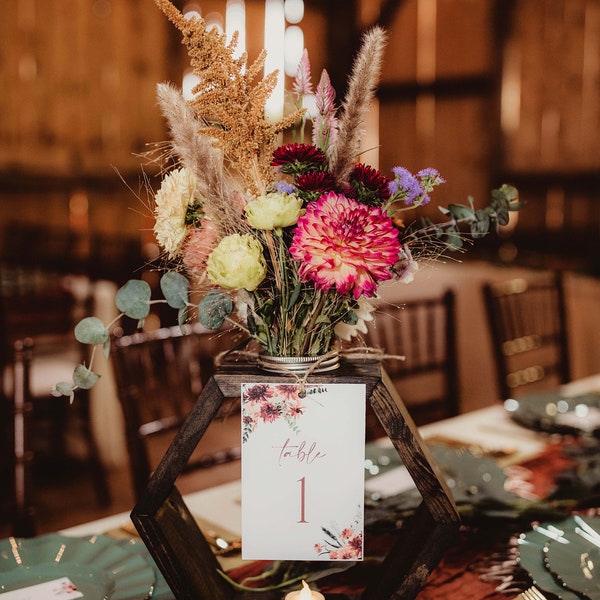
[{"x": 531, "y": 593}]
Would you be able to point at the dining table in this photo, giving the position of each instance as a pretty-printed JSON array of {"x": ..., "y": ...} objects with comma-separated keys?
[
  {"x": 528, "y": 459},
  {"x": 476, "y": 366}
]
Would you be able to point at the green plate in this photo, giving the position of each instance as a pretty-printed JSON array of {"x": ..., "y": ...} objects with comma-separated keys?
[
  {"x": 100, "y": 568},
  {"x": 557, "y": 557},
  {"x": 551, "y": 412},
  {"x": 531, "y": 559},
  {"x": 574, "y": 560},
  {"x": 162, "y": 591}
]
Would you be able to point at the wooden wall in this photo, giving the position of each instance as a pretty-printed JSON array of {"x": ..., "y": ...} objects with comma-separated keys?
[{"x": 484, "y": 90}]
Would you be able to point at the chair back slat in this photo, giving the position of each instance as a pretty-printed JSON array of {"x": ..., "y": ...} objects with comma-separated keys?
[
  {"x": 423, "y": 332},
  {"x": 529, "y": 332},
  {"x": 23, "y": 505},
  {"x": 159, "y": 376}
]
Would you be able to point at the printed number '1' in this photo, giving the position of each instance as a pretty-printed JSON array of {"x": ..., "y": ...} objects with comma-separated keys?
[{"x": 302, "y": 500}]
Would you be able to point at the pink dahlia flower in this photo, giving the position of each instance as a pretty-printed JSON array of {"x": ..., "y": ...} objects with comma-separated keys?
[{"x": 343, "y": 243}]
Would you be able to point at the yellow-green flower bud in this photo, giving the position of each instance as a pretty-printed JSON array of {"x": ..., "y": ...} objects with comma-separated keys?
[
  {"x": 274, "y": 210},
  {"x": 237, "y": 263}
]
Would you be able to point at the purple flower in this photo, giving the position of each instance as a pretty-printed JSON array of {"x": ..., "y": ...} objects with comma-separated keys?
[
  {"x": 430, "y": 178},
  {"x": 284, "y": 188},
  {"x": 405, "y": 186}
]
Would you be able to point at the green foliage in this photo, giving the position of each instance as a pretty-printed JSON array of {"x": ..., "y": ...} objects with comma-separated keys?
[
  {"x": 91, "y": 330},
  {"x": 133, "y": 299},
  {"x": 478, "y": 222},
  {"x": 84, "y": 378},
  {"x": 214, "y": 308},
  {"x": 175, "y": 288}
]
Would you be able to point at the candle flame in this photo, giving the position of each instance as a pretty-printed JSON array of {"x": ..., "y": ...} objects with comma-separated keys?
[{"x": 305, "y": 594}]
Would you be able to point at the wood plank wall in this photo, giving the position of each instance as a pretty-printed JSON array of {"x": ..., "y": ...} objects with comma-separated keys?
[{"x": 78, "y": 104}]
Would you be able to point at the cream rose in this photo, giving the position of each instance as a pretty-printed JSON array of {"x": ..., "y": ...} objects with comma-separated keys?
[
  {"x": 274, "y": 210},
  {"x": 237, "y": 263}
]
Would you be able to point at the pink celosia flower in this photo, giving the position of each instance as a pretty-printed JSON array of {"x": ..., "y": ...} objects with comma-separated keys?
[
  {"x": 325, "y": 121},
  {"x": 302, "y": 84},
  {"x": 343, "y": 243}
]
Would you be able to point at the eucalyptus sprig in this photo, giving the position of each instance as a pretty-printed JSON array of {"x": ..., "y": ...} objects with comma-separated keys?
[
  {"x": 134, "y": 300},
  {"x": 505, "y": 199}
]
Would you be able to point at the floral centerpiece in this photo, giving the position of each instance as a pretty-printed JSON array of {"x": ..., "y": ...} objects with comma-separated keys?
[{"x": 288, "y": 243}]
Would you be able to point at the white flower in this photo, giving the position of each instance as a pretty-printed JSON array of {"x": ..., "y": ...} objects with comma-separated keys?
[
  {"x": 405, "y": 267},
  {"x": 346, "y": 331},
  {"x": 176, "y": 193}
]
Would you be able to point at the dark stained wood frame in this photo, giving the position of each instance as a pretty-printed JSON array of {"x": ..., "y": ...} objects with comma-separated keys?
[{"x": 183, "y": 555}]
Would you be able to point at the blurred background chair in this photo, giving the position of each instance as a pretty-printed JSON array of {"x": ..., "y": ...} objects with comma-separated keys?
[
  {"x": 44, "y": 307},
  {"x": 24, "y": 513},
  {"x": 159, "y": 375},
  {"x": 423, "y": 331},
  {"x": 17, "y": 503},
  {"x": 528, "y": 326}
]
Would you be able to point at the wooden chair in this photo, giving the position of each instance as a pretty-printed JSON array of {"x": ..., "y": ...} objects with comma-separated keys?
[
  {"x": 39, "y": 307},
  {"x": 17, "y": 457},
  {"x": 528, "y": 326},
  {"x": 159, "y": 375},
  {"x": 422, "y": 331}
]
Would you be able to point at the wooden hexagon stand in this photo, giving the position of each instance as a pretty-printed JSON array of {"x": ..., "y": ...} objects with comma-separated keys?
[{"x": 184, "y": 556}]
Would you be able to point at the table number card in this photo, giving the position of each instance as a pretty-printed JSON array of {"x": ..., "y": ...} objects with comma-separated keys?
[
  {"x": 303, "y": 471},
  {"x": 57, "y": 589}
]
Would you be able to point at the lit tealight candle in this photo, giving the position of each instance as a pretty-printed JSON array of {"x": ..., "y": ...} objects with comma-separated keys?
[{"x": 305, "y": 594}]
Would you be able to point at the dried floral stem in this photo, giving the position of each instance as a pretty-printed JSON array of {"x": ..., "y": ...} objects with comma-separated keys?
[
  {"x": 361, "y": 91},
  {"x": 229, "y": 100}
]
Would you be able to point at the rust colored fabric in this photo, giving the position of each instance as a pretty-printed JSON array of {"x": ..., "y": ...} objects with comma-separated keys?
[{"x": 474, "y": 551}]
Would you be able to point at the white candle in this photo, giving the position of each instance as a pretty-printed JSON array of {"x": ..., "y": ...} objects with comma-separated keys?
[{"x": 305, "y": 594}]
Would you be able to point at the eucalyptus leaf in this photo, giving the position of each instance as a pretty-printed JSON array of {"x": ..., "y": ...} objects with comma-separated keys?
[
  {"x": 84, "y": 378},
  {"x": 502, "y": 214},
  {"x": 214, "y": 308},
  {"x": 175, "y": 288},
  {"x": 461, "y": 212},
  {"x": 509, "y": 192},
  {"x": 453, "y": 240},
  {"x": 133, "y": 299},
  {"x": 63, "y": 388},
  {"x": 91, "y": 330},
  {"x": 481, "y": 226}
]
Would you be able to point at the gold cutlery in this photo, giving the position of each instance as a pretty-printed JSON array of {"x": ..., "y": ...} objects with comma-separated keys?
[{"x": 531, "y": 593}]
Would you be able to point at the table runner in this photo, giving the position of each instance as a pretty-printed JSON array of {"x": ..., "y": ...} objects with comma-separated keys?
[{"x": 478, "y": 549}]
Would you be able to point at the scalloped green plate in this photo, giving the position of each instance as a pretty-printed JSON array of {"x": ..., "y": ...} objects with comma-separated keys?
[
  {"x": 100, "y": 568},
  {"x": 575, "y": 564},
  {"x": 531, "y": 559},
  {"x": 552, "y": 412},
  {"x": 162, "y": 591}
]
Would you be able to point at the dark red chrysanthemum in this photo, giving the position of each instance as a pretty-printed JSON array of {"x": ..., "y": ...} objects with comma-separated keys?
[
  {"x": 298, "y": 158},
  {"x": 371, "y": 186},
  {"x": 315, "y": 181}
]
